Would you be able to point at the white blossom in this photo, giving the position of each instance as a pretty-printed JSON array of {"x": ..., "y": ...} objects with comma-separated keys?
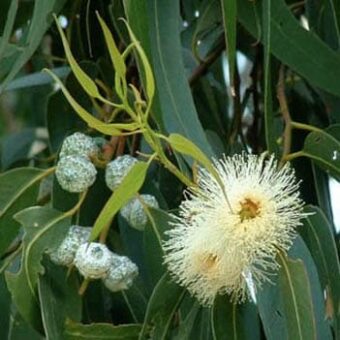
[{"x": 225, "y": 235}]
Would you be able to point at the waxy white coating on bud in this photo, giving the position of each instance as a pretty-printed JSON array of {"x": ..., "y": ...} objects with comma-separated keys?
[
  {"x": 75, "y": 173},
  {"x": 118, "y": 169},
  {"x": 65, "y": 253},
  {"x": 134, "y": 211},
  {"x": 93, "y": 260},
  {"x": 121, "y": 273},
  {"x": 79, "y": 144}
]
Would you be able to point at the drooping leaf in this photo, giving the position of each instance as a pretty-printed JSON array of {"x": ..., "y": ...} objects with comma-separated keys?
[
  {"x": 294, "y": 45},
  {"x": 44, "y": 229},
  {"x": 297, "y": 279},
  {"x": 318, "y": 235},
  {"x": 155, "y": 24},
  {"x": 39, "y": 23},
  {"x": 84, "y": 80},
  {"x": 101, "y": 331},
  {"x": 297, "y": 301},
  {"x": 116, "y": 59},
  {"x": 108, "y": 129},
  {"x": 268, "y": 103}
]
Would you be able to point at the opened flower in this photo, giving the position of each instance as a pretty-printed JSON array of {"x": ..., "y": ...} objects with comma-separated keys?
[{"x": 227, "y": 236}]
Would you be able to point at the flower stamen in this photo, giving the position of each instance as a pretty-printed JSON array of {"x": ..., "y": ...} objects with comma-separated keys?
[{"x": 249, "y": 209}]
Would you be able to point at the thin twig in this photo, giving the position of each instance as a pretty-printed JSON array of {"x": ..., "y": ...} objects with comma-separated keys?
[{"x": 202, "y": 68}]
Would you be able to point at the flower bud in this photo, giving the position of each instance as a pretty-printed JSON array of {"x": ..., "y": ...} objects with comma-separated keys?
[
  {"x": 75, "y": 173},
  {"x": 134, "y": 211},
  {"x": 93, "y": 260},
  {"x": 76, "y": 236},
  {"x": 121, "y": 273},
  {"x": 80, "y": 145},
  {"x": 117, "y": 170}
]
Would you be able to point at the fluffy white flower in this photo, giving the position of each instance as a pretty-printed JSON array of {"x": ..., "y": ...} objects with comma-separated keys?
[{"x": 223, "y": 237}]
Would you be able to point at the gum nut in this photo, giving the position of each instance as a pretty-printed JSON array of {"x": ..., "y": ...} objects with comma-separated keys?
[
  {"x": 75, "y": 173},
  {"x": 121, "y": 274},
  {"x": 117, "y": 170},
  {"x": 80, "y": 145},
  {"x": 93, "y": 260},
  {"x": 134, "y": 211},
  {"x": 76, "y": 236}
]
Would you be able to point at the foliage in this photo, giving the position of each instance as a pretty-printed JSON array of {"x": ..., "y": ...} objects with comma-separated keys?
[{"x": 163, "y": 81}]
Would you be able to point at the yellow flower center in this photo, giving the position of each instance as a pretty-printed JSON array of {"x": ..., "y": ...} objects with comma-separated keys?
[{"x": 249, "y": 209}]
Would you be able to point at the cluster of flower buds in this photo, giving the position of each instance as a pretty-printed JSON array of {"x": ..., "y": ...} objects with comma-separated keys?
[
  {"x": 94, "y": 260},
  {"x": 75, "y": 171}
]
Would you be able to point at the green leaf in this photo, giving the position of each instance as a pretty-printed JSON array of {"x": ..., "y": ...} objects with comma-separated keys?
[
  {"x": 101, "y": 331},
  {"x": 59, "y": 298},
  {"x": 187, "y": 147},
  {"x": 18, "y": 190},
  {"x": 116, "y": 59},
  {"x": 318, "y": 234},
  {"x": 229, "y": 12},
  {"x": 321, "y": 184},
  {"x": 20, "y": 329},
  {"x": 186, "y": 326},
  {"x": 16, "y": 146},
  {"x": 130, "y": 185},
  {"x": 234, "y": 321},
  {"x": 268, "y": 103},
  {"x": 39, "y": 22},
  {"x": 4, "y": 42},
  {"x": 5, "y": 302},
  {"x": 108, "y": 129},
  {"x": 279, "y": 319},
  {"x": 84, "y": 80},
  {"x": 153, "y": 236},
  {"x": 163, "y": 304},
  {"x": 324, "y": 149},
  {"x": 293, "y": 45},
  {"x": 37, "y": 79},
  {"x": 297, "y": 302},
  {"x": 324, "y": 18},
  {"x": 44, "y": 228},
  {"x": 149, "y": 79},
  {"x": 155, "y": 23}
]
